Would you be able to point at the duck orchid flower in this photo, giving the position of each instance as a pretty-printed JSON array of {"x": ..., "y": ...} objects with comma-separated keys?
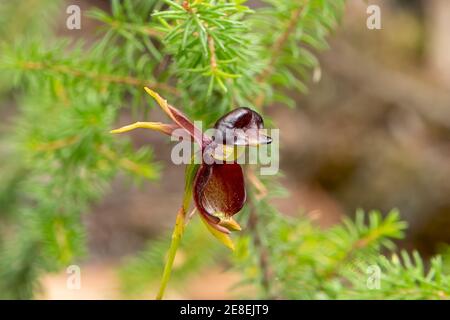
[{"x": 218, "y": 187}]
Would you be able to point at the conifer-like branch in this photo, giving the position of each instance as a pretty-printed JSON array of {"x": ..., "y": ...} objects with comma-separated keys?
[
  {"x": 280, "y": 42},
  {"x": 107, "y": 78}
]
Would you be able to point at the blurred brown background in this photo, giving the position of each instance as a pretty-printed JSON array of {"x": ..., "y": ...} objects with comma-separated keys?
[{"x": 373, "y": 133}]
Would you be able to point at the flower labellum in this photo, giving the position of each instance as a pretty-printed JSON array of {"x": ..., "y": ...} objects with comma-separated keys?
[
  {"x": 219, "y": 193},
  {"x": 218, "y": 188}
]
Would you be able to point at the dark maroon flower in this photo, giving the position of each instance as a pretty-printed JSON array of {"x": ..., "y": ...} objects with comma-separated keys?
[
  {"x": 219, "y": 193},
  {"x": 218, "y": 188}
]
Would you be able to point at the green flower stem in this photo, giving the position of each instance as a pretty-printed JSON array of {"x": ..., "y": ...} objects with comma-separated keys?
[{"x": 176, "y": 239}]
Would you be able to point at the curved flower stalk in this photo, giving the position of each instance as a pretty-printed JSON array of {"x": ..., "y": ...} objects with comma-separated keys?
[{"x": 217, "y": 187}]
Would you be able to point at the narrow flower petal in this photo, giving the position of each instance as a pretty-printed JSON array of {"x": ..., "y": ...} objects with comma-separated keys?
[
  {"x": 221, "y": 236},
  {"x": 219, "y": 192},
  {"x": 230, "y": 224},
  {"x": 157, "y": 126},
  {"x": 178, "y": 117}
]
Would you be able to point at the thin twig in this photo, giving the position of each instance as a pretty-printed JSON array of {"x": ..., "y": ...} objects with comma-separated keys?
[
  {"x": 256, "y": 182},
  {"x": 279, "y": 44},
  {"x": 110, "y": 78},
  {"x": 145, "y": 30},
  {"x": 262, "y": 252},
  {"x": 277, "y": 49},
  {"x": 259, "y": 100},
  {"x": 212, "y": 52},
  {"x": 56, "y": 145}
]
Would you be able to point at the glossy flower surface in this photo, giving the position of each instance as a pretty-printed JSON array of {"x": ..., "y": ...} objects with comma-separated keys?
[{"x": 218, "y": 188}]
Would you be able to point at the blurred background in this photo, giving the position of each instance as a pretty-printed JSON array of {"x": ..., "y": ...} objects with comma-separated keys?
[{"x": 372, "y": 133}]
